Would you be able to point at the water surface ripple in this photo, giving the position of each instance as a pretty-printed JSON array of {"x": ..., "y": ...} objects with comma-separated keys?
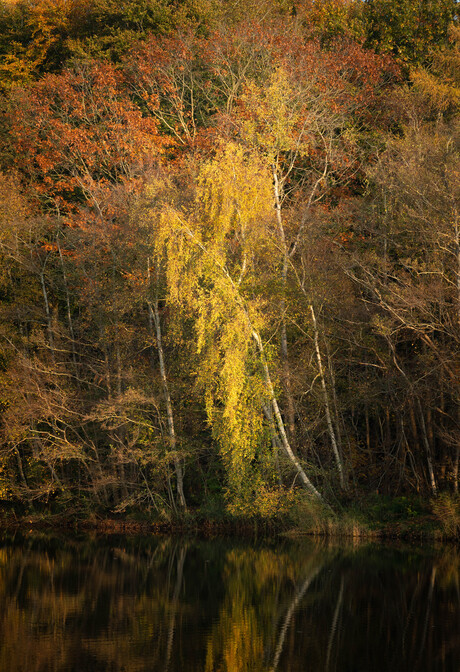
[{"x": 135, "y": 604}]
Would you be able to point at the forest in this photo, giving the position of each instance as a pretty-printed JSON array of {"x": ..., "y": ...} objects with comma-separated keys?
[{"x": 229, "y": 256}]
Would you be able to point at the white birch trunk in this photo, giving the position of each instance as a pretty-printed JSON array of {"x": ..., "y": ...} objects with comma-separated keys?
[
  {"x": 279, "y": 421},
  {"x": 169, "y": 410},
  {"x": 284, "y": 342},
  {"x": 330, "y": 426}
]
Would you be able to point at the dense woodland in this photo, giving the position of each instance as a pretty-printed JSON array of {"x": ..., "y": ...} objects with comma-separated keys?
[{"x": 229, "y": 253}]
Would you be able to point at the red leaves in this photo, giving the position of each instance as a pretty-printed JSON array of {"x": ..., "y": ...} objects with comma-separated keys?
[
  {"x": 80, "y": 129},
  {"x": 77, "y": 134}
]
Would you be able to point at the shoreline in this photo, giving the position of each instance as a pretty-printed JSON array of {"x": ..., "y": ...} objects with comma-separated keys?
[{"x": 400, "y": 530}]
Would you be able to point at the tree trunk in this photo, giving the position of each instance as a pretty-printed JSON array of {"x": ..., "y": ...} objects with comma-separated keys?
[
  {"x": 330, "y": 427},
  {"x": 290, "y": 406},
  {"x": 426, "y": 443},
  {"x": 48, "y": 313},
  {"x": 154, "y": 313},
  {"x": 279, "y": 420}
]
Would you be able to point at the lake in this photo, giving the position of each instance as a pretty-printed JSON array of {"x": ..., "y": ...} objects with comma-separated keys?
[{"x": 114, "y": 603}]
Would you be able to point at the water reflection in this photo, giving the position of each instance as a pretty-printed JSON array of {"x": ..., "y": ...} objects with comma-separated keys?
[{"x": 131, "y": 604}]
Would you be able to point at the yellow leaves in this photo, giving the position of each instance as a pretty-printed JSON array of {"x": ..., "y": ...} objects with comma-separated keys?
[
  {"x": 274, "y": 115},
  {"x": 227, "y": 376},
  {"x": 47, "y": 21},
  {"x": 13, "y": 215},
  {"x": 173, "y": 241},
  {"x": 234, "y": 197},
  {"x": 16, "y": 68},
  {"x": 48, "y": 15},
  {"x": 211, "y": 253},
  {"x": 243, "y": 644},
  {"x": 440, "y": 94},
  {"x": 330, "y": 19}
]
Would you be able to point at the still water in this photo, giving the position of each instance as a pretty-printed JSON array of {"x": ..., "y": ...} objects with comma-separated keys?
[{"x": 135, "y": 604}]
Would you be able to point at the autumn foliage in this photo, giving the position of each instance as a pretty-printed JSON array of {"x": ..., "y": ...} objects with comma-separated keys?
[{"x": 229, "y": 254}]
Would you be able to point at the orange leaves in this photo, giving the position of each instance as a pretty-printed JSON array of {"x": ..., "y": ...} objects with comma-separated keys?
[
  {"x": 50, "y": 247},
  {"x": 81, "y": 129},
  {"x": 165, "y": 74},
  {"x": 77, "y": 134}
]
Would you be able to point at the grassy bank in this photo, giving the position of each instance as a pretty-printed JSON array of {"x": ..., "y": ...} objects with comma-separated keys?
[
  {"x": 382, "y": 517},
  {"x": 373, "y": 517}
]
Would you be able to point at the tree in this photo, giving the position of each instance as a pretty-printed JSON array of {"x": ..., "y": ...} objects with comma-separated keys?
[
  {"x": 409, "y": 30},
  {"x": 78, "y": 134},
  {"x": 214, "y": 260},
  {"x": 305, "y": 117},
  {"x": 413, "y": 281}
]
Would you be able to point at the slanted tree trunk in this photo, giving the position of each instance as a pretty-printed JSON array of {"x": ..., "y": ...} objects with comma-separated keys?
[
  {"x": 279, "y": 420},
  {"x": 290, "y": 613}
]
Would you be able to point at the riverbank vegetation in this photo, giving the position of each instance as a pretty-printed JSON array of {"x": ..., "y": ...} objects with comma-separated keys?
[{"x": 230, "y": 258}]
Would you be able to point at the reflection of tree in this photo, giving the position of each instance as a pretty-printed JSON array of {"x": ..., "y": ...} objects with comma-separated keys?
[
  {"x": 428, "y": 609},
  {"x": 165, "y": 604},
  {"x": 290, "y": 613},
  {"x": 256, "y": 583},
  {"x": 174, "y": 603},
  {"x": 335, "y": 621}
]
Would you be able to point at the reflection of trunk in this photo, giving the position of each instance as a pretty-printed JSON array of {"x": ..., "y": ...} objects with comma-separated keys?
[
  {"x": 327, "y": 409},
  {"x": 335, "y": 620},
  {"x": 154, "y": 313},
  {"x": 174, "y": 602},
  {"x": 289, "y": 615},
  {"x": 24, "y": 561},
  {"x": 428, "y": 612}
]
